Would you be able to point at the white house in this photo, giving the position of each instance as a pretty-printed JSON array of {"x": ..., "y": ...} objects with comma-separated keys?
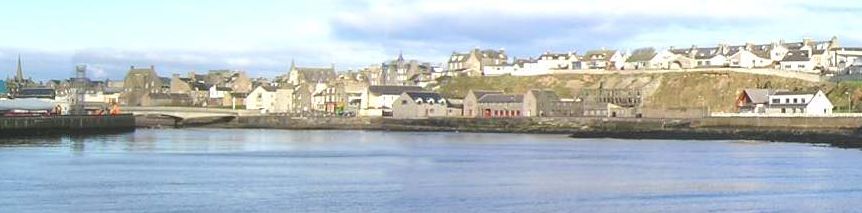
[
  {"x": 377, "y": 100},
  {"x": 556, "y": 61},
  {"x": 796, "y": 102},
  {"x": 261, "y": 98},
  {"x": 743, "y": 58},
  {"x": 601, "y": 60},
  {"x": 528, "y": 67},
  {"x": 650, "y": 59},
  {"x": 797, "y": 60}
]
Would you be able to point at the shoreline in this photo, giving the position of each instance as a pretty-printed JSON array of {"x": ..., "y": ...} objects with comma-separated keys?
[{"x": 668, "y": 129}]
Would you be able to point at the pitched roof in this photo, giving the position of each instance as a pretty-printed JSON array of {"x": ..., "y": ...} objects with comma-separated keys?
[
  {"x": 796, "y": 55},
  {"x": 501, "y": 98},
  {"x": 425, "y": 96},
  {"x": 315, "y": 74},
  {"x": 643, "y": 54},
  {"x": 479, "y": 93},
  {"x": 393, "y": 90},
  {"x": 606, "y": 54},
  {"x": 759, "y": 95}
]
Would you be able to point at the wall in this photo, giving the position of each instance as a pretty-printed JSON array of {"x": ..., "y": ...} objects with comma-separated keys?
[
  {"x": 782, "y": 122},
  {"x": 65, "y": 124}
]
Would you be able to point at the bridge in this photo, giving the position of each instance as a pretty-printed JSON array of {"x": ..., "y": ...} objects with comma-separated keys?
[{"x": 185, "y": 115}]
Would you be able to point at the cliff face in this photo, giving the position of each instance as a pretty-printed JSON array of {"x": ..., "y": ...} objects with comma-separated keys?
[{"x": 716, "y": 90}]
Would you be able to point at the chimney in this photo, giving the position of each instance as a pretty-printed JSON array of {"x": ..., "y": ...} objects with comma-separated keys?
[
  {"x": 152, "y": 67},
  {"x": 132, "y": 67}
]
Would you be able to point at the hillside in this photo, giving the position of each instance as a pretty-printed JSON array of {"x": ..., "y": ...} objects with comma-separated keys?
[{"x": 716, "y": 90}]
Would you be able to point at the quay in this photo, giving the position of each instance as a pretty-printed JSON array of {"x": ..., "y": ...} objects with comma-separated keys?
[{"x": 66, "y": 124}]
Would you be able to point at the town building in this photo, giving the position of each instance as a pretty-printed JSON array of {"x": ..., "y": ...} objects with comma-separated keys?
[
  {"x": 471, "y": 102},
  {"x": 501, "y": 105},
  {"x": 602, "y": 59},
  {"x": 284, "y": 99},
  {"x": 414, "y": 105},
  {"x": 546, "y": 103},
  {"x": 798, "y": 60},
  {"x": 473, "y": 62},
  {"x": 754, "y": 100},
  {"x": 650, "y": 59},
  {"x": 403, "y": 72},
  {"x": 377, "y": 101},
  {"x": 262, "y": 98},
  {"x": 307, "y": 75},
  {"x": 139, "y": 83},
  {"x": 799, "y": 102}
]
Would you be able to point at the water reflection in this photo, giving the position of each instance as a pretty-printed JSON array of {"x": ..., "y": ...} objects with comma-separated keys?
[{"x": 335, "y": 171}]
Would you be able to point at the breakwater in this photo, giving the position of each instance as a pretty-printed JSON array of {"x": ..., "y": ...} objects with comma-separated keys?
[{"x": 71, "y": 124}]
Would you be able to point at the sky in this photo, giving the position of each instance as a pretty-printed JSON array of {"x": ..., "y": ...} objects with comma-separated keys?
[{"x": 261, "y": 37}]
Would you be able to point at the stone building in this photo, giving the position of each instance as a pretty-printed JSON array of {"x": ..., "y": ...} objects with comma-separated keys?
[
  {"x": 471, "y": 102},
  {"x": 546, "y": 103},
  {"x": 262, "y": 98},
  {"x": 139, "y": 83},
  {"x": 473, "y": 62},
  {"x": 413, "y": 105},
  {"x": 403, "y": 72},
  {"x": 304, "y": 75},
  {"x": 501, "y": 105}
]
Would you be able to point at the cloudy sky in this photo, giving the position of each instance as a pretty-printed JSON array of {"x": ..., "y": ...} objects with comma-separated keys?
[{"x": 262, "y": 36}]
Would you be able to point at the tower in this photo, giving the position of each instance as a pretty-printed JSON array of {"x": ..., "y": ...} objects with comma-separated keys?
[{"x": 19, "y": 73}]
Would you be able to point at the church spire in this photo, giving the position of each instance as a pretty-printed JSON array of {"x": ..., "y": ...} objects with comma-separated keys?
[
  {"x": 292, "y": 64},
  {"x": 19, "y": 73}
]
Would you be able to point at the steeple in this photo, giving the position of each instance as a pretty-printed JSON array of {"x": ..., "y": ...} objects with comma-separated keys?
[
  {"x": 400, "y": 56},
  {"x": 292, "y": 65},
  {"x": 19, "y": 73}
]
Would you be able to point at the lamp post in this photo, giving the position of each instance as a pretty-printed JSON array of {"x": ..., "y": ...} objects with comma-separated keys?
[{"x": 848, "y": 100}]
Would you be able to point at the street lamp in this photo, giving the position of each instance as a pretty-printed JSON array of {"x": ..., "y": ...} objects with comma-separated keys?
[{"x": 848, "y": 100}]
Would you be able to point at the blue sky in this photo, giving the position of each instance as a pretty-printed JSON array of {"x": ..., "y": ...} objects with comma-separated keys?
[{"x": 262, "y": 36}]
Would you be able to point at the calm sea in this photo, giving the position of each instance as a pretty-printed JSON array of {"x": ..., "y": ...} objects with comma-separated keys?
[{"x": 214, "y": 170}]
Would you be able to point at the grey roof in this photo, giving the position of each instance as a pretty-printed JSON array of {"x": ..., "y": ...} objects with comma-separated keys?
[
  {"x": 604, "y": 53},
  {"x": 425, "y": 95},
  {"x": 796, "y": 55},
  {"x": 643, "y": 54},
  {"x": 480, "y": 93},
  {"x": 393, "y": 90},
  {"x": 759, "y": 95},
  {"x": 501, "y": 98},
  {"x": 315, "y": 74},
  {"x": 269, "y": 88}
]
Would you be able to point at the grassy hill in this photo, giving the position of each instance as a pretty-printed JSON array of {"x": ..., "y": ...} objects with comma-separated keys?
[{"x": 716, "y": 90}]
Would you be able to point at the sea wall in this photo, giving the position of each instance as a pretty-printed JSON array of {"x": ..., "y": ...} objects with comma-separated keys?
[
  {"x": 72, "y": 124},
  {"x": 782, "y": 122}
]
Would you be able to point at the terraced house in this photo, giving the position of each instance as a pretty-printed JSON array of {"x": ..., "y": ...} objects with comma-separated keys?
[{"x": 473, "y": 62}]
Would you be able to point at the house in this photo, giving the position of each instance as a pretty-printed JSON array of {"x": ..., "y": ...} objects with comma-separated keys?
[
  {"x": 217, "y": 96},
  {"x": 303, "y": 75},
  {"x": 754, "y": 100},
  {"x": 601, "y": 60},
  {"x": 799, "y": 102},
  {"x": 473, "y": 63},
  {"x": 797, "y": 60},
  {"x": 261, "y": 98},
  {"x": 711, "y": 58},
  {"x": 843, "y": 58},
  {"x": 413, "y": 105},
  {"x": 471, "y": 102},
  {"x": 602, "y": 102},
  {"x": 403, "y": 72},
  {"x": 650, "y": 59},
  {"x": 377, "y": 101},
  {"x": 138, "y": 83},
  {"x": 557, "y": 61},
  {"x": 528, "y": 67},
  {"x": 745, "y": 57}
]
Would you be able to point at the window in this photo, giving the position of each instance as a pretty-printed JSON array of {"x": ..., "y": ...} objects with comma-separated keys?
[
  {"x": 783, "y": 110},
  {"x": 795, "y": 100},
  {"x": 787, "y": 100},
  {"x": 787, "y": 66},
  {"x": 803, "y": 101},
  {"x": 800, "y": 66},
  {"x": 403, "y": 102},
  {"x": 776, "y": 100}
]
